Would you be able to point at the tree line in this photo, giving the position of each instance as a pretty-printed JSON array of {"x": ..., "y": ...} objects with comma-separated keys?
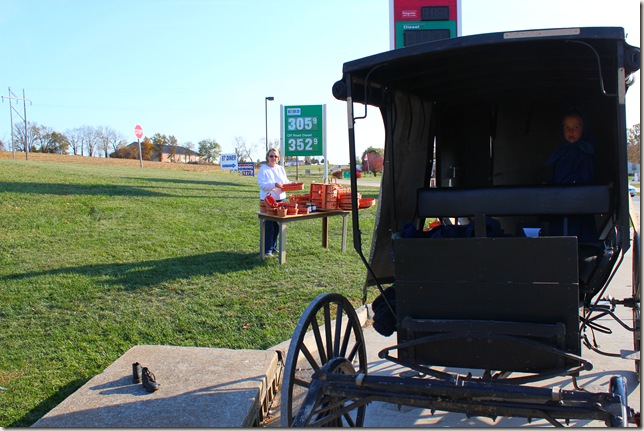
[
  {"x": 85, "y": 140},
  {"x": 104, "y": 141}
]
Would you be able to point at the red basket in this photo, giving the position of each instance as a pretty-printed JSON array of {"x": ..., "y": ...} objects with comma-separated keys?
[
  {"x": 292, "y": 187},
  {"x": 366, "y": 202},
  {"x": 270, "y": 201}
]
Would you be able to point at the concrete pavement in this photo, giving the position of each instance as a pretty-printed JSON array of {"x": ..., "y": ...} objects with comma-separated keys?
[{"x": 200, "y": 387}]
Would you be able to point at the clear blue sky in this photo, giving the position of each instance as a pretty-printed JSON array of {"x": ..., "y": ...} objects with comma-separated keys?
[{"x": 200, "y": 69}]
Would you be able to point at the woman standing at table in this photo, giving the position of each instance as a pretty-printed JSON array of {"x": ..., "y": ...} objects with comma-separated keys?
[{"x": 271, "y": 178}]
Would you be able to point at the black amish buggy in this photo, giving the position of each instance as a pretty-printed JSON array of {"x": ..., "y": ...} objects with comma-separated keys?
[{"x": 503, "y": 290}]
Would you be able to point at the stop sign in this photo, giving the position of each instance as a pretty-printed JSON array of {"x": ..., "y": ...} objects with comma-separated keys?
[{"x": 138, "y": 131}]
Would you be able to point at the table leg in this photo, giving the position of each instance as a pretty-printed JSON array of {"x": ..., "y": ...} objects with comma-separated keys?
[
  {"x": 282, "y": 251},
  {"x": 344, "y": 232},
  {"x": 325, "y": 232},
  {"x": 262, "y": 238}
]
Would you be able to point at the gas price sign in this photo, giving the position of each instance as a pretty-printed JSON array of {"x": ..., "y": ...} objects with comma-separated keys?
[{"x": 304, "y": 130}]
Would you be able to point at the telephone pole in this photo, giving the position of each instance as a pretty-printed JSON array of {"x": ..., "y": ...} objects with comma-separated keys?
[{"x": 11, "y": 97}]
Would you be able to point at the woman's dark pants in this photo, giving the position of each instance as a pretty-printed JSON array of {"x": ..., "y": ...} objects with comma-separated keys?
[{"x": 272, "y": 231}]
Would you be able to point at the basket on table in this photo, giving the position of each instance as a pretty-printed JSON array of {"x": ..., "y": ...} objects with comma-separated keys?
[
  {"x": 290, "y": 187},
  {"x": 291, "y": 207},
  {"x": 270, "y": 202},
  {"x": 325, "y": 196},
  {"x": 300, "y": 198},
  {"x": 344, "y": 199},
  {"x": 366, "y": 202}
]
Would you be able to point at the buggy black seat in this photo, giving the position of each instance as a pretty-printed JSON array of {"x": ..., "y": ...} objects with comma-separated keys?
[
  {"x": 493, "y": 303},
  {"x": 594, "y": 257}
]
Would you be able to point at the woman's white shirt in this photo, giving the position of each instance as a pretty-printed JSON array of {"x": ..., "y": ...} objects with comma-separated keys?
[{"x": 266, "y": 179}]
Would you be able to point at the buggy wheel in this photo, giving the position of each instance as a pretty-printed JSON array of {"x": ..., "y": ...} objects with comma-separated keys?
[
  {"x": 328, "y": 338},
  {"x": 618, "y": 388}
]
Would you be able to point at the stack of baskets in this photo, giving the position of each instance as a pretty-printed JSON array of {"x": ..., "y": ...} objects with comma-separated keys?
[
  {"x": 281, "y": 209},
  {"x": 325, "y": 196},
  {"x": 300, "y": 199},
  {"x": 344, "y": 198},
  {"x": 291, "y": 207},
  {"x": 268, "y": 205}
]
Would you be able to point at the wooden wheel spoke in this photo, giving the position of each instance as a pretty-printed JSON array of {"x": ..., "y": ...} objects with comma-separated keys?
[
  {"x": 302, "y": 383},
  {"x": 354, "y": 351},
  {"x": 318, "y": 341},
  {"x": 349, "y": 419},
  {"x": 309, "y": 357},
  {"x": 338, "y": 331},
  {"x": 327, "y": 331},
  {"x": 331, "y": 411},
  {"x": 345, "y": 340}
]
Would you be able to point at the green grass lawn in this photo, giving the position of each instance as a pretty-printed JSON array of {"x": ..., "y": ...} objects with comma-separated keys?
[{"x": 97, "y": 259}]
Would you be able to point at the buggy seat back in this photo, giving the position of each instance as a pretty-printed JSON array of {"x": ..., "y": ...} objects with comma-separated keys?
[{"x": 493, "y": 303}]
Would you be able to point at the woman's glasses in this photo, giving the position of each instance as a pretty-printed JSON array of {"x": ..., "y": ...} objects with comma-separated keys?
[{"x": 273, "y": 156}]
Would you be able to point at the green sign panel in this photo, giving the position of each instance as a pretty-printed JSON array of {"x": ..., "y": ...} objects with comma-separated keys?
[
  {"x": 414, "y": 32},
  {"x": 304, "y": 130}
]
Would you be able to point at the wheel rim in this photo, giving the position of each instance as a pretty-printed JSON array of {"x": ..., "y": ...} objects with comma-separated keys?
[{"x": 329, "y": 337}]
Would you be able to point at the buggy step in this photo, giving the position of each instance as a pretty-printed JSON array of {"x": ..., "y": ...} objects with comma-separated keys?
[{"x": 630, "y": 354}]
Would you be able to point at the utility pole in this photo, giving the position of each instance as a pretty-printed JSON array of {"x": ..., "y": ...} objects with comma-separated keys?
[{"x": 11, "y": 97}]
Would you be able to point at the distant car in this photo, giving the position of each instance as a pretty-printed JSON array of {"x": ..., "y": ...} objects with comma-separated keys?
[{"x": 632, "y": 190}]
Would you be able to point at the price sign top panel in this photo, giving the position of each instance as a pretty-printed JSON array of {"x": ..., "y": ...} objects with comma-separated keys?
[{"x": 303, "y": 130}]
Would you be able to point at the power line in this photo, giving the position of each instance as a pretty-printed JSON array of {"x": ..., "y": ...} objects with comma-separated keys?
[{"x": 11, "y": 97}]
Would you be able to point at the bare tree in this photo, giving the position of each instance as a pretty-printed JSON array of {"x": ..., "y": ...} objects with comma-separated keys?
[
  {"x": 39, "y": 137},
  {"x": 91, "y": 139},
  {"x": 244, "y": 150},
  {"x": 75, "y": 139},
  {"x": 23, "y": 142},
  {"x": 108, "y": 137}
]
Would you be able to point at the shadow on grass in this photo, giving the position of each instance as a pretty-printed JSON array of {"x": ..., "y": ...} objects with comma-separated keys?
[
  {"x": 47, "y": 404},
  {"x": 117, "y": 190},
  {"x": 143, "y": 274},
  {"x": 77, "y": 189},
  {"x": 179, "y": 181}
]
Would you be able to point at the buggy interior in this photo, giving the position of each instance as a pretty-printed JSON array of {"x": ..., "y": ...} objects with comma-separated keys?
[{"x": 469, "y": 124}]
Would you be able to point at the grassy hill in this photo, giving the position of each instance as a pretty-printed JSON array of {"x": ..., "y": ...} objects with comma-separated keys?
[{"x": 98, "y": 257}]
